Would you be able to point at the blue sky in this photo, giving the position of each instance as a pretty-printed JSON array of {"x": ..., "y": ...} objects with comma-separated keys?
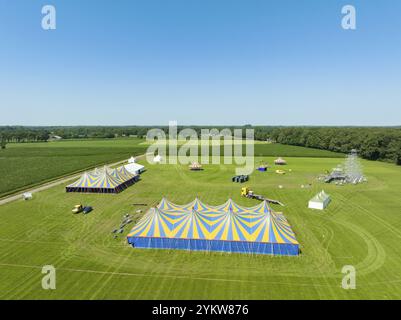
[{"x": 200, "y": 62}]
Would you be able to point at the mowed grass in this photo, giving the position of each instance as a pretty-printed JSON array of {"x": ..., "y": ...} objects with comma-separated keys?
[
  {"x": 281, "y": 150},
  {"x": 27, "y": 164},
  {"x": 361, "y": 227}
]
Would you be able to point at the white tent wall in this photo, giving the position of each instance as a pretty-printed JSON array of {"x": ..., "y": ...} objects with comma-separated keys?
[
  {"x": 320, "y": 201},
  {"x": 317, "y": 205}
]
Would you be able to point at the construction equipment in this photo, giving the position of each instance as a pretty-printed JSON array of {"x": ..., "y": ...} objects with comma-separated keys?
[{"x": 247, "y": 193}]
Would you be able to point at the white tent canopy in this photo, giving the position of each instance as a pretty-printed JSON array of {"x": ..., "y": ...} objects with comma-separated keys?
[
  {"x": 134, "y": 168},
  {"x": 27, "y": 196},
  {"x": 157, "y": 159},
  {"x": 132, "y": 160},
  {"x": 320, "y": 201}
]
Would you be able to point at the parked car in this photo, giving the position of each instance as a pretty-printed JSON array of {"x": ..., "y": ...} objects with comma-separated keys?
[{"x": 86, "y": 210}]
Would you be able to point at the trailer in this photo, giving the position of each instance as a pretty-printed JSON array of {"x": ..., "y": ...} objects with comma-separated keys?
[{"x": 247, "y": 193}]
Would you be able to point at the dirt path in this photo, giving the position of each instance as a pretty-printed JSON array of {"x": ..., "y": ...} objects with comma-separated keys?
[{"x": 51, "y": 184}]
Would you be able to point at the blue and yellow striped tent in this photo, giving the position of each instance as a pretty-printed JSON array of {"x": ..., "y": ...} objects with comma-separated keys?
[
  {"x": 228, "y": 227},
  {"x": 126, "y": 174},
  {"x": 104, "y": 180}
]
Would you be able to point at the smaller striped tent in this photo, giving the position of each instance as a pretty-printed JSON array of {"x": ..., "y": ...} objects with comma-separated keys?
[
  {"x": 125, "y": 173},
  {"x": 104, "y": 180},
  {"x": 228, "y": 228}
]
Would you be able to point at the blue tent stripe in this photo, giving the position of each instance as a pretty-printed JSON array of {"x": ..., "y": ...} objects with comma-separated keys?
[{"x": 228, "y": 227}]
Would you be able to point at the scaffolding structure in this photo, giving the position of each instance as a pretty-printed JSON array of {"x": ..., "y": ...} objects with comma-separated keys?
[{"x": 350, "y": 172}]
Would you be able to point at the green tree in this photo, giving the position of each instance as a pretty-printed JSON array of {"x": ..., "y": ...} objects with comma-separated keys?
[
  {"x": 3, "y": 142},
  {"x": 398, "y": 153}
]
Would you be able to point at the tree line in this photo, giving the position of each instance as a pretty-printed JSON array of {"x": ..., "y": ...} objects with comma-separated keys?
[
  {"x": 20, "y": 134},
  {"x": 372, "y": 143}
]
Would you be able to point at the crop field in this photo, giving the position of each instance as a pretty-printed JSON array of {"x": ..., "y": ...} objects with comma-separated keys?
[
  {"x": 27, "y": 164},
  {"x": 280, "y": 150},
  {"x": 361, "y": 227}
]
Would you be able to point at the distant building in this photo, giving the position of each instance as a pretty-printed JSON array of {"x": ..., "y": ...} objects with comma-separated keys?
[{"x": 53, "y": 137}]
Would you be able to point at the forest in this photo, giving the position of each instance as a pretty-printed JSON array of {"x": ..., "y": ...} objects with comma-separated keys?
[{"x": 372, "y": 143}]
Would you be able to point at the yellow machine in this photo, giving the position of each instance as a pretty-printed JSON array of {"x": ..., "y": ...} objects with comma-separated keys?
[
  {"x": 247, "y": 193},
  {"x": 244, "y": 191},
  {"x": 78, "y": 208}
]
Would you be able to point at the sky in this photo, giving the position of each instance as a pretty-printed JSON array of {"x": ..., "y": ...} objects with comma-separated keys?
[{"x": 203, "y": 62}]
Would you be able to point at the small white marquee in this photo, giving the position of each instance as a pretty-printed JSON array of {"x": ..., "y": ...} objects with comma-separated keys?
[{"x": 320, "y": 201}]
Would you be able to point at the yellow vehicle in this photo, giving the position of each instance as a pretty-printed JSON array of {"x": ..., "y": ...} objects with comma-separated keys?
[
  {"x": 280, "y": 171},
  {"x": 247, "y": 193},
  {"x": 244, "y": 191},
  {"x": 77, "y": 209}
]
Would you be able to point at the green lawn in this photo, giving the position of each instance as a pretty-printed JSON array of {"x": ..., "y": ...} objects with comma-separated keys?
[
  {"x": 361, "y": 227},
  {"x": 27, "y": 164}
]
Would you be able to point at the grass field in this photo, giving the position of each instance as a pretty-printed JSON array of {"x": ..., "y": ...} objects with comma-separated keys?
[
  {"x": 361, "y": 227},
  {"x": 27, "y": 164}
]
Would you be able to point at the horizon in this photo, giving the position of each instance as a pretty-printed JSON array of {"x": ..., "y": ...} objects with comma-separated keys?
[
  {"x": 204, "y": 125},
  {"x": 200, "y": 62}
]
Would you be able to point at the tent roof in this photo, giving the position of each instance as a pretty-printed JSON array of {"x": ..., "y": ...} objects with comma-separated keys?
[
  {"x": 123, "y": 171},
  {"x": 103, "y": 180},
  {"x": 227, "y": 222},
  {"x": 107, "y": 181},
  {"x": 119, "y": 176},
  {"x": 87, "y": 180},
  {"x": 320, "y": 197},
  {"x": 195, "y": 165},
  {"x": 133, "y": 166},
  {"x": 132, "y": 160}
]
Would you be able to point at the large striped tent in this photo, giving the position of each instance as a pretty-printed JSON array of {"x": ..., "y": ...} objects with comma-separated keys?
[
  {"x": 105, "y": 180},
  {"x": 228, "y": 227}
]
